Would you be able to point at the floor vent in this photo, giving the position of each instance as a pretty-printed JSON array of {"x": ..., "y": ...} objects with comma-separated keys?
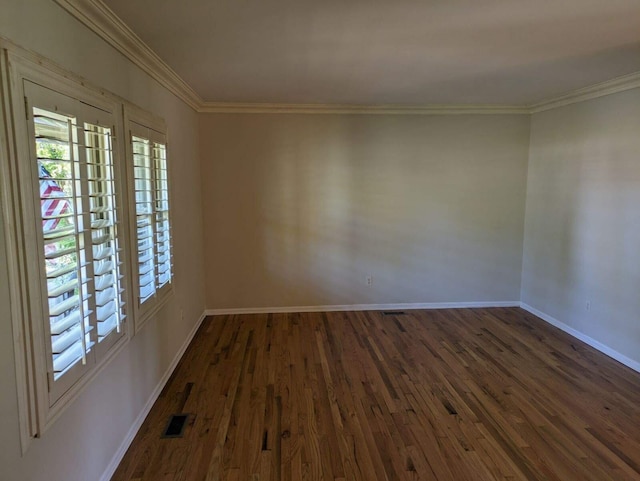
[
  {"x": 393, "y": 313},
  {"x": 175, "y": 426}
]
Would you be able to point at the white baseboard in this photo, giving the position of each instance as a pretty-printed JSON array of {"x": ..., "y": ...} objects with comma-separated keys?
[
  {"x": 635, "y": 365},
  {"x": 360, "y": 307},
  {"x": 131, "y": 434}
]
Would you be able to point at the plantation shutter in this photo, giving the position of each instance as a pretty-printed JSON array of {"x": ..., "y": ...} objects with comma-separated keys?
[
  {"x": 163, "y": 232},
  {"x": 153, "y": 226},
  {"x": 105, "y": 227},
  {"x": 78, "y": 231},
  {"x": 143, "y": 175}
]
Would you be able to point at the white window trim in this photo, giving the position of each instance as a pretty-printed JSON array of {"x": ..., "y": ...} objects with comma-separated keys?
[
  {"x": 136, "y": 121},
  {"x": 22, "y": 339},
  {"x": 16, "y": 66}
]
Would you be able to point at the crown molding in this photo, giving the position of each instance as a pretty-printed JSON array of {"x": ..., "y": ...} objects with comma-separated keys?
[
  {"x": 100, "y": 19},
  {"x": 106, "y": 24},
  {"x": 267, "y": 108},
  {"x": 619, "y": 84}
]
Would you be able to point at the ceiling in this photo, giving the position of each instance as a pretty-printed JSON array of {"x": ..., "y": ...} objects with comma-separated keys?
[{"x": 400, "y": 52}]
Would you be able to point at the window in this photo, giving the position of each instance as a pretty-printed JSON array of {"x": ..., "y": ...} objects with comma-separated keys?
[
  {"x": 88, "y": 232},
  {"x": 63, "y": 197},
  {"x": 152, "y": 227},
  {"x": 78, "y": 232}
]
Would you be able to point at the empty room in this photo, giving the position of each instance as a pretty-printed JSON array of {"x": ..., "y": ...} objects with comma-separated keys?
[{"x": 294, "y": 240}]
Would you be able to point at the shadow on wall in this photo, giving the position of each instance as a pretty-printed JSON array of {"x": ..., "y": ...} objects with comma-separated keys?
[
  {"x": 583, "y": 224},
  {"x": 315, "y": 204}
]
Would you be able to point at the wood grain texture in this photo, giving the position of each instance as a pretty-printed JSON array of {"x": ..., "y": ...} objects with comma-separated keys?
[{"x": 443, "y": 395}]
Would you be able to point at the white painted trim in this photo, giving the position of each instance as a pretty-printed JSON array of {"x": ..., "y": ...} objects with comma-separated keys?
[
  {"x": 12, "y": 224},
  {"x": 631, "y": 363},
  {"x": 101, "y": 20},
  {"x": 137, "y": 424},
  {"x": 275, "y": 108},
  {"x": 620, "y": 84},
  {"x": 360, "y": 307}
]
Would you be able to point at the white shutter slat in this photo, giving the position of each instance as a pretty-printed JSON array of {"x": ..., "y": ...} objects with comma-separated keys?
[
  {"x": 163, "y": 268},
  {"x": 52, "y": 140},
  {"x": 102, "y": 223},
  {"x": 101, "y": 239},
  {"x": 58, "y": 216},
  {"x": 164, "y": 248},
  {"x": 144, "y": 209},
  {"x": 104, "y": 281},
  {"x": 164, "y": 257},
  {"x": 71, "y": 356},
  {"x": 100, "y": 209},
  {"x": 103, "y": 267},
  {"x": 65, "y": 323},
  {"x": 102, "y": 253},
  {"x": 43, "y": 121},
  {"x": 51, "y": 164},
  {"x": 105, "y": 296},
  {"x": 143, "y": 221},
  {"x": 104, "y": 311},
  {"x": 59, "y": 247},
  {"x": 107, "y": 326},
  {"x": 64, "y": 288},
  {"x": 145, "y": 256},
  {"x": 144, "y": 234},
  {"x": 54, "y": 254},
  {"x": 146, "y": 243},
  {"x": 62, "y": 271},
  {"x": 65, "y": 305},
  {"x": 145, "y": 268},
  {"x": 63, "y": 341},
  {"x": 147, "y": 291},
  {"x": 147, "y": 280},
  {"x": 57, "y": 233}
]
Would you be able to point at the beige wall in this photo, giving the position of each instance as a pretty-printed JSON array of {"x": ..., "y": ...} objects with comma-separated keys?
[
  {"x": 299, "y": 209},
  {"x": 81, "y": 443},
  {"x": 583, "y": 219}
]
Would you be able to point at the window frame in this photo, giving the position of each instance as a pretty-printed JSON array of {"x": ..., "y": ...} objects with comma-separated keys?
[
  {"x": 47, "y": 99},
  {"x": 27, "y": 300},
  {"x": 143, "y": 124}
]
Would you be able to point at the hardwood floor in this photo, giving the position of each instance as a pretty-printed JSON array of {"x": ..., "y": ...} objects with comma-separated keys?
[{"x": 447, "y": 395}]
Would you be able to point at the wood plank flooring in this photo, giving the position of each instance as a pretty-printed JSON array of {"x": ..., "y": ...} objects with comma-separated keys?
[{"x": 444, "y": 395}]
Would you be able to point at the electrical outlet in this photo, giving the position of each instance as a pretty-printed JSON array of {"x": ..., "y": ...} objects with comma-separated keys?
[
  {"x": 588, "y": 305},
  {"x": 369, "y": 280}
]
